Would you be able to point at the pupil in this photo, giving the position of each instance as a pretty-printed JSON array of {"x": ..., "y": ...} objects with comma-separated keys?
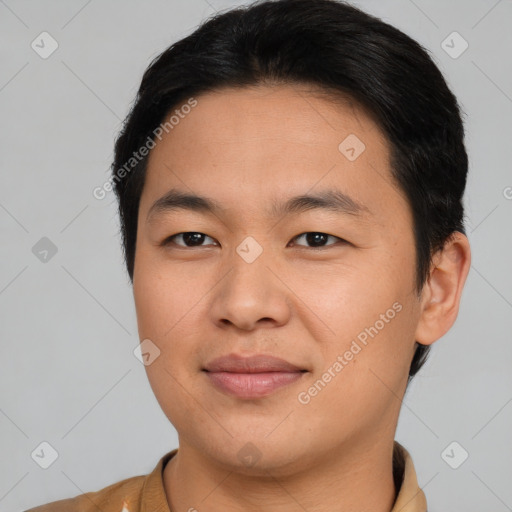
[
  {"x": 315, "y": 238},
  {"x": 193, "y": 237}
]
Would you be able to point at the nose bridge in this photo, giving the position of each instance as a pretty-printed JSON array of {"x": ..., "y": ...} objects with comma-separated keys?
[
  {"x": 250, "y": 292},
  {"x": 250, "y": 263},
  {"x": 250, "y": 277}
]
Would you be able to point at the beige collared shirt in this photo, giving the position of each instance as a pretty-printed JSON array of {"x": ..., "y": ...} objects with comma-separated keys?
[{"x": 146, "y": 493}]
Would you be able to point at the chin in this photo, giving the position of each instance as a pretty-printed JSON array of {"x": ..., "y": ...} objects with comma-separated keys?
[{"x": 256, "y": 455}]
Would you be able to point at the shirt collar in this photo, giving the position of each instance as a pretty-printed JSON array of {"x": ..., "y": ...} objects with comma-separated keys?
[{"x": 410, "y": 497}]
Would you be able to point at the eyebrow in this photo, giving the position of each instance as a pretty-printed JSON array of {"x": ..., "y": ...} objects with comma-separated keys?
[{"x": 331, "y": 200}]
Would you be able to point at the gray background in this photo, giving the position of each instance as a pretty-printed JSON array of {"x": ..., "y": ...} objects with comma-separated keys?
[{"x": 68, "y": 374}]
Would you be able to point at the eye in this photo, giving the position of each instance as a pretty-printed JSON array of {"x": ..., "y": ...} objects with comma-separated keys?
[
  {"x": 318, "y": 239},
  {"x": 190, "y": 239}
]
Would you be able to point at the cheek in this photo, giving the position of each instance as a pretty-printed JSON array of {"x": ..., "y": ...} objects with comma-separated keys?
[
  {"x": 164, "y": 296},
  {"x": 149, "y": 304},
  {"x": 171, "y": 313},
  {"x": 165, "y": 315},
  {"x": 348, "y": 298},
  {"x": 372, "y": 314},
  {"x": 363, "y": 375},
  {"x": 178, "y": 395}
]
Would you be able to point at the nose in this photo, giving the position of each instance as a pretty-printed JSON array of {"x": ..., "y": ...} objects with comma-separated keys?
[{"x": 251, "y": 294}]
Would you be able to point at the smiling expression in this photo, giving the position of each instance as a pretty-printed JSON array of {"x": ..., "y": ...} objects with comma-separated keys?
[{"x": 259, "y": 233}]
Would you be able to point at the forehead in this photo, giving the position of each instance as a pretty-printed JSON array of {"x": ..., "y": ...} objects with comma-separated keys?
[{"x": 246, "y": 145}]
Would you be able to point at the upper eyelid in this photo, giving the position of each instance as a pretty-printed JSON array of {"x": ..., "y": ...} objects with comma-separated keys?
[
  {"x": 169, "y": 238},
  {"x": 321, "y": 233}
]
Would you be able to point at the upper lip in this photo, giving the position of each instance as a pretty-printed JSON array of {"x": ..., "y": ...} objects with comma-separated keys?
[{"x": 253, "y": 364}]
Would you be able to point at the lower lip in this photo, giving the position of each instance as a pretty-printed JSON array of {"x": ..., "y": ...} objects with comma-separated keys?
[{"x": 252, "y": 385}]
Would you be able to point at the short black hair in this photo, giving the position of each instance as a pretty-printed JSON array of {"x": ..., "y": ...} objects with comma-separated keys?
[{"x": 334, "y": 46}]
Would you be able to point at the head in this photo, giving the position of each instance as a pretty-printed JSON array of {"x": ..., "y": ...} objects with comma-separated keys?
[{"x": 261, "y": 105}]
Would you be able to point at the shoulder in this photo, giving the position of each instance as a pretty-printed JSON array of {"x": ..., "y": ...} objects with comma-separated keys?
[
  {"x": 112, "y": 498},
  {"x": 130, "y": 495}
]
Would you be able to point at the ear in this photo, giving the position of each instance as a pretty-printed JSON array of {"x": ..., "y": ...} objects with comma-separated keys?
[{"x": 440, "y": 297}]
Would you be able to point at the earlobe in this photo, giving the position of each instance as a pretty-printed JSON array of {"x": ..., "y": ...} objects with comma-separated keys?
[{"x": 441, "y": 294}]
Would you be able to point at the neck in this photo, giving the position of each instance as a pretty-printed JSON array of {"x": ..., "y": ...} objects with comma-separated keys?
[{"x": 354, "y": 479}]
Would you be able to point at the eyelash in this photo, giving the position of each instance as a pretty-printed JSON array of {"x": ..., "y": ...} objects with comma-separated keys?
[{"x": 169, "y": 240}]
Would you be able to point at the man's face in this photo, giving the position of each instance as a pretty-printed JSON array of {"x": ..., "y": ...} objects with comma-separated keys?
[{"x": 330, "y": 291}]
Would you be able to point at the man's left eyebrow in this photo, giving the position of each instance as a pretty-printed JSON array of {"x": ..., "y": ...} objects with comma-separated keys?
[{"x": 331, "y": 199}]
